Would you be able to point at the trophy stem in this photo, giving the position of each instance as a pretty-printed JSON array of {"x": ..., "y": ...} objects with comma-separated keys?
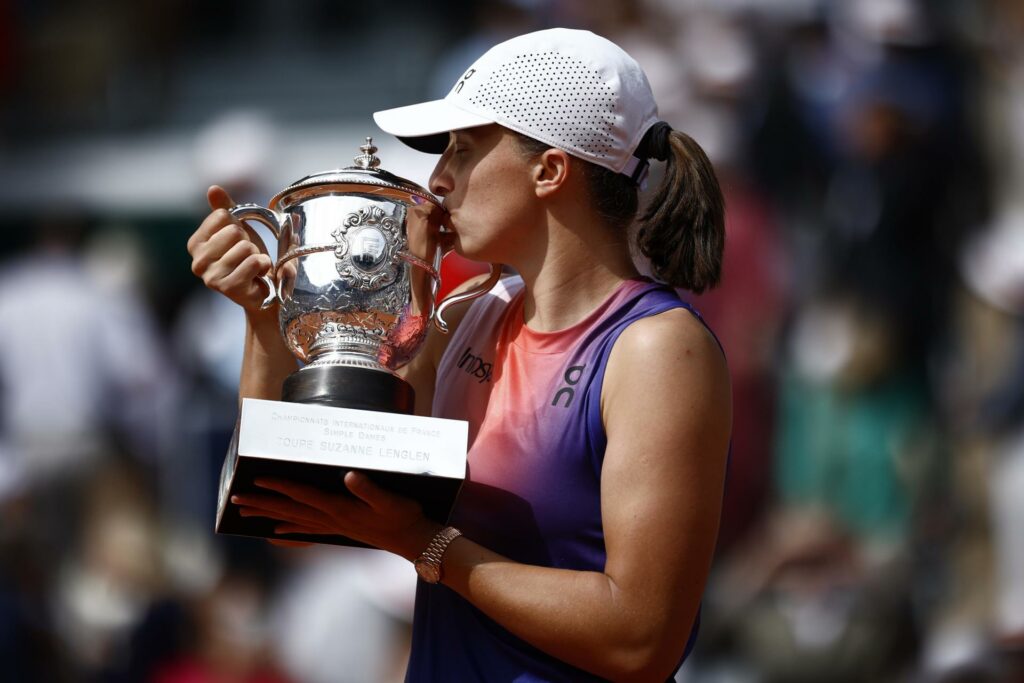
[{"x": 342, "y": 386}]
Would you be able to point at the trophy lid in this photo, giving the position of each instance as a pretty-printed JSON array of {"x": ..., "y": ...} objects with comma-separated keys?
[{"x": 365, "y": 177}]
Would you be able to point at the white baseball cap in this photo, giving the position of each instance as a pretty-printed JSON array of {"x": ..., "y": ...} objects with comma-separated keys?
[{"x": 570, "y": 89}]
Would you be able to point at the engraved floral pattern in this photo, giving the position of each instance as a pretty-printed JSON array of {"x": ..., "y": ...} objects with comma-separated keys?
[{"x": 389, "y": 265}]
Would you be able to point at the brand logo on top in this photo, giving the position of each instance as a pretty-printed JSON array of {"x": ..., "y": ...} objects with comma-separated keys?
[
  {"x": 462, "y": 81},
  {"x": 475, "y": 366},
  {"x": 564, "y": 396}
]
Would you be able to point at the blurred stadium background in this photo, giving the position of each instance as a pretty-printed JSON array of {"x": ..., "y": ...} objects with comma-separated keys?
[{"x": 872, "y": 155}]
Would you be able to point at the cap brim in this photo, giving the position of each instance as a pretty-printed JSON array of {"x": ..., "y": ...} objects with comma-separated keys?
[{"x": 425, "y": 126}]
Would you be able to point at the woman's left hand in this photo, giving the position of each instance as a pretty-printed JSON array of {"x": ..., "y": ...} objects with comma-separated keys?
[{"x": 374, "y": 516}]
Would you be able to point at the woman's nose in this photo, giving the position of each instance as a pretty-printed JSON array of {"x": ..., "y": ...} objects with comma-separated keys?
[{"x": 440, "y": 181}]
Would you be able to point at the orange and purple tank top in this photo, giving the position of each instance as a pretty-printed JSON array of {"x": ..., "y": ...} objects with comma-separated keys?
[{"x": 536, "y": 446}]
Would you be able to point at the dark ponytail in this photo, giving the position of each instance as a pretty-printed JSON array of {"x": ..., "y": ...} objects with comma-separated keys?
[{"x": 682, "y": 229}]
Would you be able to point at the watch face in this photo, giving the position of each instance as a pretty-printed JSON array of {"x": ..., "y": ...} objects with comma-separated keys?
[{"x": 428, "y": 571}]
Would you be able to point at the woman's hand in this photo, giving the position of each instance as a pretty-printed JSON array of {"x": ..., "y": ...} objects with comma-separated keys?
[
  {"x": 374, "y": 516},
  {"x": 228, "y": 255}
]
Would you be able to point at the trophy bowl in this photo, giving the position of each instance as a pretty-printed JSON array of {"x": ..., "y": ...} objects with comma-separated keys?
[{"x": 356, "y": 277}]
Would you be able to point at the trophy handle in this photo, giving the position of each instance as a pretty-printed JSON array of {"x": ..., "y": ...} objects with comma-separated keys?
[
  {"x": 482, "y": 289},
  {"x": 255, "y": 212}
]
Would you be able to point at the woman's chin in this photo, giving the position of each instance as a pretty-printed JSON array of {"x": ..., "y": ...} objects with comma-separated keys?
[
  {"x": 474, "y": 250},
  {"x": 464, "y": 248}
]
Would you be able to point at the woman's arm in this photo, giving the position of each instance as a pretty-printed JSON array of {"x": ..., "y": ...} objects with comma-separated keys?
[
  {"x": 266, "y": 361},
  {"x": 229, "y": 257},
  {"x": 666, "y": 405}
]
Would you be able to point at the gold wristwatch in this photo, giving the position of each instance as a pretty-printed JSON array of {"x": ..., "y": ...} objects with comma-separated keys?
[{"x": 428, "y": 564}]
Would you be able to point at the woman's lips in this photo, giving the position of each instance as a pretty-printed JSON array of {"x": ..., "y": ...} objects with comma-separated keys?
[{"x": 449, "y": 221}]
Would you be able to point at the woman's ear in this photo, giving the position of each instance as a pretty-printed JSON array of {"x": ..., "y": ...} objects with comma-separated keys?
[{"x": 551, "y": 171}]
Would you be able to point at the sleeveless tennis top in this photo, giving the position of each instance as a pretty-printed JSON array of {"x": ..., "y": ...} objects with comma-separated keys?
[{"x": 533, "y": 490}]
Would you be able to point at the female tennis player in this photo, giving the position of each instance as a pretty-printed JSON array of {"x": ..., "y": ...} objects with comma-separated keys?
[{"x": 598, "y": 402}]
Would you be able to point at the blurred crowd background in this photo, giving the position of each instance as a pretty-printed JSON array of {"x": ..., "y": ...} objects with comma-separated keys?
[{"x": 872, "y": 157}]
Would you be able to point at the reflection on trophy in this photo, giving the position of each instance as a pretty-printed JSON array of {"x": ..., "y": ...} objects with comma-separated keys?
[{"x": 356, "y": 278}]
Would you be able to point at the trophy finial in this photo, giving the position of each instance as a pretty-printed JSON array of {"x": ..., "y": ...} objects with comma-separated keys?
[{"x": 367, "y": 158}]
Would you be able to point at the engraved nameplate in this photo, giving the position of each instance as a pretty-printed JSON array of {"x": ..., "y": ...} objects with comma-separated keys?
[
  {"x": 422, "y": 458},
  {"x": 358, "y": 439}
]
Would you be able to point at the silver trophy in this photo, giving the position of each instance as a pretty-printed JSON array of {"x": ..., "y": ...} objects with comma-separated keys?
[{"x": 356, "y": 278}]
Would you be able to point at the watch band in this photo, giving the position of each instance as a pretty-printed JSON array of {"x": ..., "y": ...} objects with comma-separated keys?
[{"x": 428, "y": 564}]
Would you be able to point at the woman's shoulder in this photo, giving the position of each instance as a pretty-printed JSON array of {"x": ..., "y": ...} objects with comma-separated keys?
[
  {"x": 681, "y": 326},
  {"x": 669, "y": 371},
  {"x": 677, "y": 342}
]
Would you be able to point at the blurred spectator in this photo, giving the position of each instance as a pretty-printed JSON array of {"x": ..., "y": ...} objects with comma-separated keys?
[
  {"x": 822, "y": 589},
  {"x": 491, "y": 23},
  {"x": 83, "y": 378},
  {"x": 114, "y": 568},
  {"x": 981, "y": 630},
  {"x": 746, "y": 311},
  {"x": 230, "y": 638},
  {"x": 76, "y": 357},
  {"x": 365, "y": 595}
]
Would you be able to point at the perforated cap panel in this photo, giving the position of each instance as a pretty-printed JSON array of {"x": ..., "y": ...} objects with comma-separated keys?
[{"x": 557, "y": 98}]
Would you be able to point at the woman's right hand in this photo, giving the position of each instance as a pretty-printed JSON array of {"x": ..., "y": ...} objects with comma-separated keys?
[{"x": 228, "y": 255}]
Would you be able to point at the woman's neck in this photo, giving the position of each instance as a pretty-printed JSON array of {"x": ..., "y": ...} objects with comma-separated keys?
[{"x": 580, "y": 266}]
